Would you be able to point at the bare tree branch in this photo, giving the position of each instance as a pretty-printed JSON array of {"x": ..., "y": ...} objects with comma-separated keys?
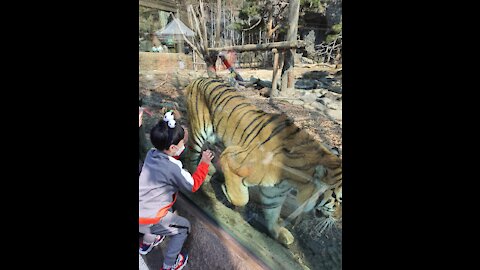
[
  {"x": 204, "y": 25},
  {"x": 257, "y": 23}
]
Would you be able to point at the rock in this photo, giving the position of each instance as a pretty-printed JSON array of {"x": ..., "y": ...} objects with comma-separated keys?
[
  {"x": 320, "y": 84},
  {"x": 307, "y": 60},
  {"x": 305, "y": 84},
  {"x": 324, "y": 100},
  {"x": 333, "y": 96},
  {"x": 301, "y": 93},
  {"x": 336, "y": 89},
  {"x": 335, "y": 114},
  {"x": 333, "y": 106},
  {"x": 309, "y": 98},
  {"x": 296, "y": 102},
  {"x": 310, "y": 107},
  {"x": 319, "y": 106},
  {"x": 316, "y": 74},
  {"x": 320, "y": 91},
  {"x": 326, "y": 80},
  {"x": 264, "y": 83},
  {"x": 265, "y": 92}
]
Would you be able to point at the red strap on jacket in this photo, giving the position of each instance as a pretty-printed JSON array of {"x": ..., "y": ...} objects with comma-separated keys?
[{"x": 160, "y": 214}]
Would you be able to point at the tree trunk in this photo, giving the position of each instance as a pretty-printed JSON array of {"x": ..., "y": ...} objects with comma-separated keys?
[
  {"x": 269, "y": 21},
  {"x": 288, "y": 79},
  {"x": 234, "y": 42},
  {"x": 179, "y": 42},
  {"x": 224, "y": 25},
  {"x": 219, "y": 21},
  {"x": 210, "y": 58}
]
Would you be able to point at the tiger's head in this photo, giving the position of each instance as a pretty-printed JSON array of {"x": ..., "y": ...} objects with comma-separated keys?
[
  {"x": 328, "y": 208},
  {"x": 330, "y": 204},
  {"x": 328, "y": 212}
]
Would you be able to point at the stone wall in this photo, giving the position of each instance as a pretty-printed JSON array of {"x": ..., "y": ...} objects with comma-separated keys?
[{"x": 164, "y": 61}]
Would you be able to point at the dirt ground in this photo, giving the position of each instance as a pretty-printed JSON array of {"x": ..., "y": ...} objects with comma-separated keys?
[{"x": 163, "y": 89}]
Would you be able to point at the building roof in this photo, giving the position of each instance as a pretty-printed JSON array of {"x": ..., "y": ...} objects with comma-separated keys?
[{"x": 175, "y": 27}]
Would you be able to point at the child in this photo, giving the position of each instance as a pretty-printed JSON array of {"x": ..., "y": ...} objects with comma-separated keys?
[{"x": 161, "y": 178}]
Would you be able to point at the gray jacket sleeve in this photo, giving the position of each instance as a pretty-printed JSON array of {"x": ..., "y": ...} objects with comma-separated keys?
[{"x": 182, "y": 178}]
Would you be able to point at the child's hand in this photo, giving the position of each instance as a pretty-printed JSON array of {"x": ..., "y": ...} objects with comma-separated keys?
[{"x": 207, "y": 156}]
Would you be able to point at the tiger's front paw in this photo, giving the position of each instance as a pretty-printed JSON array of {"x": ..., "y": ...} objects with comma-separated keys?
[
  {"x": 226, "y": 193},
  {"x": 285, "y": 237}
]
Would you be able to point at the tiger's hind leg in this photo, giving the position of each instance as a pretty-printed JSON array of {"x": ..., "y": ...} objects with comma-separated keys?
[{"x": 272, "y": 199}]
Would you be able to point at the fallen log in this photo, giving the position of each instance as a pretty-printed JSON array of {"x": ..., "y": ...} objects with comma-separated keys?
[{"x": 262, "y": 47}]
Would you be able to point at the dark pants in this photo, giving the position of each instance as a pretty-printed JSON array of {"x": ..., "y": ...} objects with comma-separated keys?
[{"x": 172, "y": 225}]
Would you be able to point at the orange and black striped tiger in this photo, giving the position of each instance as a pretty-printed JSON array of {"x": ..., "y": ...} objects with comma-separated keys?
[{"x": 265, "y": 150}]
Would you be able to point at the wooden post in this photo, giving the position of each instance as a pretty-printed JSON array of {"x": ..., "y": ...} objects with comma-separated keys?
[
  {"x": 274, "y": 91},
  {"x": 288, "y": 80},
  {"x": 279, "y": 57}
]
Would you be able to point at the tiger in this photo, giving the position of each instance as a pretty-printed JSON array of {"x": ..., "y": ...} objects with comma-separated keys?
[{"x": 265, "y": 150}]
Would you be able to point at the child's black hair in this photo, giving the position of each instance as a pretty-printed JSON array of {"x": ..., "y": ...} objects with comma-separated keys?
[{"x": 162, "y": 136}]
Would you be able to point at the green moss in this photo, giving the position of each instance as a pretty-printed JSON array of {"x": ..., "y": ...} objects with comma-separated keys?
[
  {"x": 331, "y": 38},
  {"x": 337, "y": 28}
]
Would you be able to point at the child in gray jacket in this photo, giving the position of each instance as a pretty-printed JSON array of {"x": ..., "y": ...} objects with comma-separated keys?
[{"x": 161, "y": 178}]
